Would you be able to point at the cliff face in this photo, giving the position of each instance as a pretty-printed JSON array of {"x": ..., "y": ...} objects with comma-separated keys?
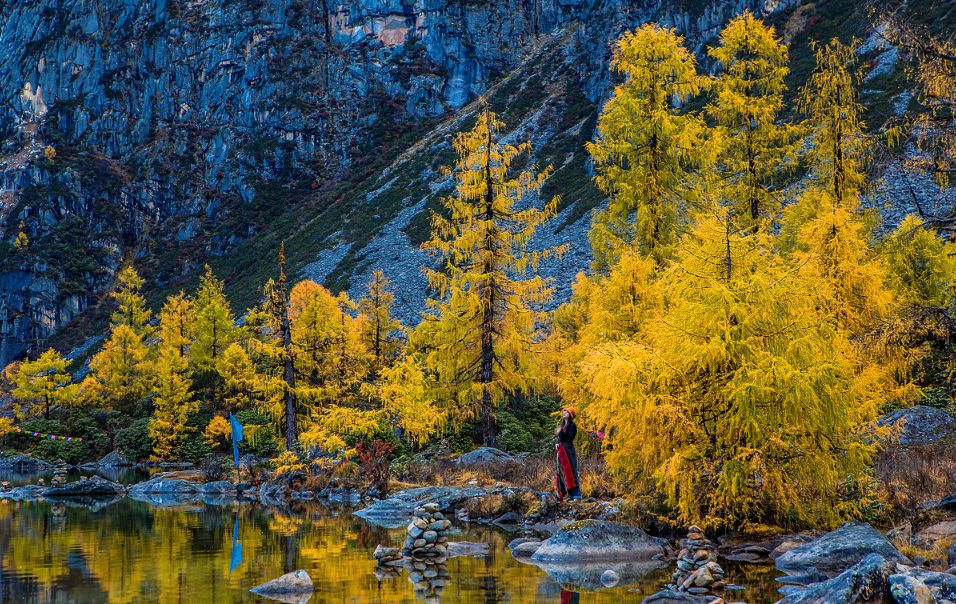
[{"x": 179, "y": 132}]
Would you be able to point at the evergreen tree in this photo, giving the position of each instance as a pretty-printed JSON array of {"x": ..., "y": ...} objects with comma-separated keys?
[
  {"x": 132, "y": 310},
  {"x": 646, "y": 148},
  {"x": 477, "y": 339},
  {"x": 44, "y": 381},
  {"x": 747, "y": 104}
]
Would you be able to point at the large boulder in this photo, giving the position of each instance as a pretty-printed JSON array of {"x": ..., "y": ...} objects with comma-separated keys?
[
  {"x": 290, "y": 587},
  {"x": 596, "y": 541},
  {"x": 114, "y": 460},
  {"x": 486, "y": 455},
  {"x": 24, "y": 463},
  {"x": 866, "y": 581},
  {"x": 921, "y": 425},
  {"x": 838, "y": 550},
  {"x": 916, "y": 586},
  {"x": 94, "y": 486}
]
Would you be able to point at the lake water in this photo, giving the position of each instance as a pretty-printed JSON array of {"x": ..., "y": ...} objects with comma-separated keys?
[{"x": 131, "y": 551}]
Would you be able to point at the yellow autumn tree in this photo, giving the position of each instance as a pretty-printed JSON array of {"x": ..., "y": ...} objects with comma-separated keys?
[
  {"x": 213, "y": 322},
  {"x": 379, "y": 329},
  {"x": 646, "y": 148},
  {"x": 476, "y": 340},
  {"x": 173, "y": 400},
  {"x": 131, "y": 306},
  {"x": 120, "y": 372},
  {"x": 41, "y": 384},
  {"x": 739, "y": 400},
  {"x": 748, "y": 99}
]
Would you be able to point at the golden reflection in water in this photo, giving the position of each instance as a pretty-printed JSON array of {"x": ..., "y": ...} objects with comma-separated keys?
[{"x": 131, "y": 552}]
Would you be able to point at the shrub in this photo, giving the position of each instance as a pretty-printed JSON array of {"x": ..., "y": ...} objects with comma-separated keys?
[
  {"x": 374, "y": 458},
  {"x": 217, "y": 467},
  {"x": 133, "y": 441}
]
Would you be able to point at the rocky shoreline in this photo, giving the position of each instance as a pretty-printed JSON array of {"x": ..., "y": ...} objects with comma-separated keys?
[{"x": 854, "y": 563}]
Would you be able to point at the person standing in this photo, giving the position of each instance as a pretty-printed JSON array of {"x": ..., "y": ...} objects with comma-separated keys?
[{"x": 567, "y": 482}]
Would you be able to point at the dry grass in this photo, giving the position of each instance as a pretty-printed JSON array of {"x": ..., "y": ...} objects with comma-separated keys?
[
  {"x": 912, "y": 476},
  {"x": 535, "y": 471}
]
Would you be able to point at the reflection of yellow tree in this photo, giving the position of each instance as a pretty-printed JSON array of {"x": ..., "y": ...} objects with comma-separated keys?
[{"x": 134, "y": 553}]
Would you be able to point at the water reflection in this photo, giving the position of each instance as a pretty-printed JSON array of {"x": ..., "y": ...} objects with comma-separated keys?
[{"x": 131, "y": 551}]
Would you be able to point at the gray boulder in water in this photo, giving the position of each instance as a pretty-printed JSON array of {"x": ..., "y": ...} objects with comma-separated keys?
[
  {"x": 838, "y": 550},
  {"x": 595, "y": 541},
  {"x": 866, "y": 581},
  {"x": 114, "y": 460},
  {"x": 23, "y": 463},
  {"x": 94, "y": 486},
  {"x": 290, "y": 587}
]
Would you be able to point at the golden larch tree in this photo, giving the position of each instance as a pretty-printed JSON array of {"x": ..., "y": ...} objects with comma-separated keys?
[
  {"x": 646, "y": 148},
  {"x": 476, "y": 340}
]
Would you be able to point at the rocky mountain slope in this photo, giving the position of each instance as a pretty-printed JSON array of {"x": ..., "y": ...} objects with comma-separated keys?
[{"x": 175, "y": 132}]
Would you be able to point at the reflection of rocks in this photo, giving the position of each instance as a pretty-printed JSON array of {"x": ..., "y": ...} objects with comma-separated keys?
[
  {"x": 594, "y": 540},
  {"x": 697, "y": 571},
  {"x": 291, "y": 587},
  {"x": 94, "y": 486},
  {"x": 94, "y": 504},
  {"x": 428, "y": 578},
  {"x": 427, "y": 534},
  {"x": 388, "y": 556},
  {"x": 589, "y": 575},
  {"x": 839, "y": 550}
]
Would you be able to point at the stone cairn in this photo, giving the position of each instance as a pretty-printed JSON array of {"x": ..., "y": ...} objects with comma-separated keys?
[
  {"x": 427, "y": 534},
  {"x": 428, "y": 578},
  {"x": 697, "y": 569},
  {"x": 59, "y": 474}
]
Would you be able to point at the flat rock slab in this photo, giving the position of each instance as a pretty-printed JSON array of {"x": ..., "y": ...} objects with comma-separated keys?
[
  {"x": 395, "y": 511},
  {"x": 839, "y": 550},
  {"x": 94, "y": 486},
  {"x": 866, "y": 581},
  {"x": 595, "y": 541},
  {"x": 290, "y": 587},
  {"x": 28, "y": 492}
]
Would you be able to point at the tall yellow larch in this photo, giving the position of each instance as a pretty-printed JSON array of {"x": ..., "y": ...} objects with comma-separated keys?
[{"x": 476, "y": 338}]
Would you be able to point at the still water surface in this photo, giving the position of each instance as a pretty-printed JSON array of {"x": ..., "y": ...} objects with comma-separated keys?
[{"x": 131, "y": 551}]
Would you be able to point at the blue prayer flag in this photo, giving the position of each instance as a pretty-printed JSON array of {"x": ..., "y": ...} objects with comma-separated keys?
[{"x": 236, "y": 437}]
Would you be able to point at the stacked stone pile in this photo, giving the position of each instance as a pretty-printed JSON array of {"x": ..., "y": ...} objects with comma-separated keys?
[
  {"x": 697, "y": 569},
  {"x": 59, "y": 474},
  {"x": 428, "y": 578},
  {"x": 427, "y": 534}
]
